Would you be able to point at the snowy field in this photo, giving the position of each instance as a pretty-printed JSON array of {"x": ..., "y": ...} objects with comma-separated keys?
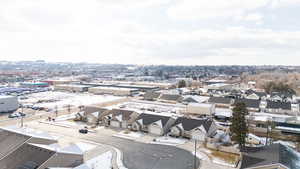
[
  {"x": 129, "y": 135},
  {"x": 169, "y": 141},
  {"x": 51, "y": 99}
]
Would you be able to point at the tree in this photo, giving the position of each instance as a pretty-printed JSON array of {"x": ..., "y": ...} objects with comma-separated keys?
[
  {"x": 181, "y": 84},
  {"x": 278, "y": 87},
  {"x": 239, "y": 128}
]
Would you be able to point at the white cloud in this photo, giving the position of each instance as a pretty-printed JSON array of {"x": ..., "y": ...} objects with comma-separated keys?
[
  {"x": 254, "y": 17},
  {"x": 203, "y": 9},
  {"x": 135, "y": 31}
]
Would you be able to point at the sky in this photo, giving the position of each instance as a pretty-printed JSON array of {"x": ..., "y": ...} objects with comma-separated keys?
[{"x": 170, "y": 32}]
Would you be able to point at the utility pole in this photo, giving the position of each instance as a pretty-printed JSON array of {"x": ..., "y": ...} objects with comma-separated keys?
[
  {"x": 22, "y": 116},
  {"x": 56, "y": 111},
  {"x": 195, "y": 155}
]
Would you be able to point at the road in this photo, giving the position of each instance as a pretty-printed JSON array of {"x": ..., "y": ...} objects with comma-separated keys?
[{"x": 137, "y": 155}]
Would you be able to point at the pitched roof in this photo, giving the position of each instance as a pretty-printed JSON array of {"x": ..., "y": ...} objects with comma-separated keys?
[
  {"x": 221, "y": 100},
  {"x": 282, "y": 94},
  {"x": 260, "y": 94},
  {"x": 272, "y": 154},
  {"x": 151, "y": 118},
  {"x": 190, "y": 124},
  {"x": 150, "y": 95},
  {"x": 171, "y": 97},
  {"x": 92, "y": 109},
  {"x": 278, "y": 105},
  {"x": 250, "y": 103},
  {"x": 125, "y": 113}
]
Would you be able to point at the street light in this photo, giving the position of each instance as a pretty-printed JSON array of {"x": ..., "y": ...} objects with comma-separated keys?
[{"x": 195, "y": 138}]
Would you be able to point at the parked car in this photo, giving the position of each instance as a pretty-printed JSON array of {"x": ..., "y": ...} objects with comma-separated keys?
[
  {"x": 83, "y": 131},
  {"x": 16, "y": 115}
]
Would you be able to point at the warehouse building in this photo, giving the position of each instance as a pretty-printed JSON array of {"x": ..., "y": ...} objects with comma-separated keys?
[
  {"x": 113, "y": 91},
  {"x": 34, "y": 84},
  {"x": 8, "y": 104},
  {"x": 71, "y": 87}
]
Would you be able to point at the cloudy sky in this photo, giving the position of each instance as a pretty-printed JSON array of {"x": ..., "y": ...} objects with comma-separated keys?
[{"x": 179, "y": 32}]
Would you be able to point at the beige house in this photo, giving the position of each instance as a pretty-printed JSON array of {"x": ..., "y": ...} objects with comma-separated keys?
[
  {"x": 119, "y": 118},
  {"x": 193, "y": 128},
  {"x": 153, "y": 124},
  {"x": 201, "y": 109}
]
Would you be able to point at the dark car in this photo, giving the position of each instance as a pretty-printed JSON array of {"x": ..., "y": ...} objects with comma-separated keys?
[{"x": 83, "y": 131}]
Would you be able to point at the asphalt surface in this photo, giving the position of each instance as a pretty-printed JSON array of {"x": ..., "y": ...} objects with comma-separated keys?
[{"x": 138, "y": 155}]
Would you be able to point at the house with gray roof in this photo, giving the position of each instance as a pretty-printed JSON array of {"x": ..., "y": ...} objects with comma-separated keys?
[
  {"x": 193, "y": 128},
  {"x": 275, "y": 156},
  {"x": 153, "y": 123},
  {"x": 251, "y": 104},
  {"x": 279, "y": 107},
  {"x": 221, "y": 101}
]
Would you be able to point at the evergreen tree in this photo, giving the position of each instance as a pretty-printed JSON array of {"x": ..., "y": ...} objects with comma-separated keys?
[
  {"x": 181, "y": 84},
  {"x": 239, "y": 128}
]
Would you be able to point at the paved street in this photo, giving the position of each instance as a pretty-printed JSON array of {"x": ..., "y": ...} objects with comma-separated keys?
[{"x": 148, "y": 156}]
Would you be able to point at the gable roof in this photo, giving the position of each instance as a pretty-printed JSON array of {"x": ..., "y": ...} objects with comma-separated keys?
[
  {"x": 278, "y": 105},
  {"x": 150, "y": 95},
  {"x": 250, "y": 103},
  {"x": 151, "y": 118},
  {"x": 125, "y": 113},
  {"x": 190, "y": 124},
  {"x": 282, "y": 94},
  {"x": 92, "y": 109},
  {"x": 271, "y": 154},
  {"x": 195, "y": 99},
  {"x": 259, "y": 94},
  {"x": 171, "y": 97},
  {"x": 221, "y": 100}
]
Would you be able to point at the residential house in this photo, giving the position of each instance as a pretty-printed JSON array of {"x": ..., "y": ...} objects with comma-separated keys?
[
  {"x": 207, "y": 109},
  {"x": 279, "y": 107},
  {"x": 250, "y": 94},
  {"x": 193, "y": 128},
  {"x": 274, "y": 156},
  {"x": 281, "y": 96},
  {"x": 251, "y": 104},
  {"x": 153, "y": 123},
  {"x": 221, "y": 101},
  {"x": 195, "y": 99},
  {"x": 119, "y": 118},
  {"x": 91, "y": 115}
]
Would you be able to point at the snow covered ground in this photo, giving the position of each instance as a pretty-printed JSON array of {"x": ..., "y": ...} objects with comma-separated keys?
[
  {"x": 169, "y": 141},
  {"x": 129, "y": 135},
  {"x": 62, "y": 99},
  {"x": 221, "y": 162},
  {"x": 201, "y": 155},
  {"x": 100, "y": 162}
]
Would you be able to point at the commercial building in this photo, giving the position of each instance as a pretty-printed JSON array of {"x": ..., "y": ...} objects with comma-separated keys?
[
  {"x": 34, "y": 84},
  {"x": 113, "y": 91},
  {"x": 71, "y": 87},
  {"x": 8, "y": 104}
]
